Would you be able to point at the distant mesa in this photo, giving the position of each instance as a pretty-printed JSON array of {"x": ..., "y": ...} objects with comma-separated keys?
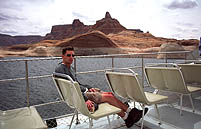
[
  {"x": 106, "y": 25},
  {"x": 65, "y": 31},
  {"x": 7, "y": 40}
]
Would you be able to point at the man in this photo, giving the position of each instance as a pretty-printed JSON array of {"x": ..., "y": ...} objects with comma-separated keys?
[{"x": 95, "y": 96}]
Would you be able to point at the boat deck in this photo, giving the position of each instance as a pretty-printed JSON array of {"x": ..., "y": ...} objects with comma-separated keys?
[{"x": 169, "y": 112}]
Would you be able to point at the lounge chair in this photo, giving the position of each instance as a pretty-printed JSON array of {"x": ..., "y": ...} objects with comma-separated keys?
[
  {"x": 135, "y": 91},
  {"x": 115, "y": 84},
  {"x": 191, "y": 73},
  {"x": 71, "y": 93},
  {"x": 171, "y": 79},
  {"x": 22, "y": 118}
]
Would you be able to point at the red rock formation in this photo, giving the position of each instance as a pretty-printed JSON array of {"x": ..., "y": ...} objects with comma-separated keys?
[
  {"x": 108, "y": 25},
  {"x": 96, "y": 43},
  {"x": 94, "y": 39},
  {"x": 132, "y": 39},
  {"x": 66, "y": 31}
]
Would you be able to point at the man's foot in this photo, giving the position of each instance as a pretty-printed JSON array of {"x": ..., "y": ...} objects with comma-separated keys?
[
  {"x": 138, "y": 115},
  {"x": 134, "y": 116},
  {"x": 129, "y": 121}
]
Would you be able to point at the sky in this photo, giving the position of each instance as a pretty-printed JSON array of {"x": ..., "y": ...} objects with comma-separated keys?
[{"x": 178, "y": 19}]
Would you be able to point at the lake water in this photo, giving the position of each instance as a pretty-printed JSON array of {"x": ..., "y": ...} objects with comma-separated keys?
[{"x": 13, "y": 94}]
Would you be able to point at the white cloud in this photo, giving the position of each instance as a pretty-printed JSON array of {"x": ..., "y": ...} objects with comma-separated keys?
[{"x": 182, "y": 4}]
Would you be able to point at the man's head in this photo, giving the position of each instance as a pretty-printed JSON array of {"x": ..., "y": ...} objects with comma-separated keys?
[{"x": 68, "y": 55}]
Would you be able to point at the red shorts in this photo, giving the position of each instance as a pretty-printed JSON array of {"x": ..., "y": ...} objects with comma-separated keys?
[{"x": 97, "y": 96}]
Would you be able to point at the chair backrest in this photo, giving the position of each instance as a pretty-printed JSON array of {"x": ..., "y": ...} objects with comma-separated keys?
[
  {"x": 71, "y": 93},
  {"x": 191, "y": 72},
  {"x": 154, "y": 76},
  {"x": 116, "y": 83},
  {"x": 78, "y": 99},
  {"x": 134, "y": 88},
  {"x": 130, "y": 85},
  {"x": 174, "y": 80},
  {"x": 63, "y": 86}
]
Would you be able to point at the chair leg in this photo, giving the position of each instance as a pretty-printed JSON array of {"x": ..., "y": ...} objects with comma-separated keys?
[
  {"x": 72, "y": 119},
  {"x": 143, "y": 107},
  {"x": 90, "y": 123},
  {"x": 108, "y": 118},
  {"x": 133, "y": 103},
  {"x": 158, "y": 114},
  {"x": 190, "y": 97},
  {"x": 181, "y": 97},
  {"x": 77, "y": 120}
]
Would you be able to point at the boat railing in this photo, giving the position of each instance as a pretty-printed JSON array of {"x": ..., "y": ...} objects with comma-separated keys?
[{"x": 27, "y": 78}]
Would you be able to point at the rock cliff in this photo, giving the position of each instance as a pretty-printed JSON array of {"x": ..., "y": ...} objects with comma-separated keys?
[
  {"x": 98, "y": 43},
  {"x": 106, "y": 25},
  {"x": 66, "y": 31},
  {"x": 94, "y": 39},
  {"x": 7, "y": 40}
]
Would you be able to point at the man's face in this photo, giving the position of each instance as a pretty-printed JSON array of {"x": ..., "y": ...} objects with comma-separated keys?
[{"x": 68, "y": 57}]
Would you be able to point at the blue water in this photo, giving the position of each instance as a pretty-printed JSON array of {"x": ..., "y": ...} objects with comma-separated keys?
[{"x": 13, "y": 94}]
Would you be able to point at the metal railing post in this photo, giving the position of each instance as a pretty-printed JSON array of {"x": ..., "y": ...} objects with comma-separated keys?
[
  {"x": 112, "y": 62},
  {"x": 185, "y": 55},
  {"x": 27, "y": 82},
  {"x": 75, "y": 65},
  {"x": 143, "y": 71},
  {"x": 77, "y": 119},
  {"x": 165, "y": 57}
]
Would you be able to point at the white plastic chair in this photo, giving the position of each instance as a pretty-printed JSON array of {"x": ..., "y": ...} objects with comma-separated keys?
[
  {"x": 116, "y": 85},
  {"x": 171, "y": 79},
  {"x": 71, "y": 93},
  {"x": 22, "y": 118},
  {"x": 191, "y": 73},
  {"x": 135, "y": 91}
]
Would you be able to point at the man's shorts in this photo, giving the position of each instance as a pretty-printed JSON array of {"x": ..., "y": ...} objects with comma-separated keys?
[
  {"x": 94, "y": 96},
  {"x": 97, "y": 96}
]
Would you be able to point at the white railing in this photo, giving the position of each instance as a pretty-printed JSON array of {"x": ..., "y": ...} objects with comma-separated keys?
[{"x": 112, "y": 67}]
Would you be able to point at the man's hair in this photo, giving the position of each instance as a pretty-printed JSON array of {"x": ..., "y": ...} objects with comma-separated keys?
[{"x": 69, "y": 48}]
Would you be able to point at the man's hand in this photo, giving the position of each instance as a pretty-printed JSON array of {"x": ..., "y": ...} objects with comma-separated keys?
[
  {"x": 94, "y": 90},
  {"x": 90, "y": 105}
]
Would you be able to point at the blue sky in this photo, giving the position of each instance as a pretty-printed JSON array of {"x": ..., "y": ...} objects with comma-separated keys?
[{"x": 179, "y": 19}]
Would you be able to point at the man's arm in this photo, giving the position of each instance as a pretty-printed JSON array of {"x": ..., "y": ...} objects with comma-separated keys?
[{"x": 61, "y": 69}]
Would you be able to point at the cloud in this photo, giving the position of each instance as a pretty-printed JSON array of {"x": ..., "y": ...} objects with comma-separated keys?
[
  {"x": 4, "y": 17},
  {"x": 80, "y": 16},
  {"x": 186, "y": 24},
  {"x": 8, "y": 31},
  {"x": 184, "y": 4},
  {"x": 186, "y": 30}
]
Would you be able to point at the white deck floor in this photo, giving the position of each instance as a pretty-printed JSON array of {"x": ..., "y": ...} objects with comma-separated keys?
[{"x": 170, "y": 117}]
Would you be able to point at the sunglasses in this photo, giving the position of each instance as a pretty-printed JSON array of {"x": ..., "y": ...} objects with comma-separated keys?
[{"x": 69, "y": 55}]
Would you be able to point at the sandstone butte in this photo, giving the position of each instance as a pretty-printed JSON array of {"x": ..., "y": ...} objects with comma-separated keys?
[{"x": 107, "y": 36}]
